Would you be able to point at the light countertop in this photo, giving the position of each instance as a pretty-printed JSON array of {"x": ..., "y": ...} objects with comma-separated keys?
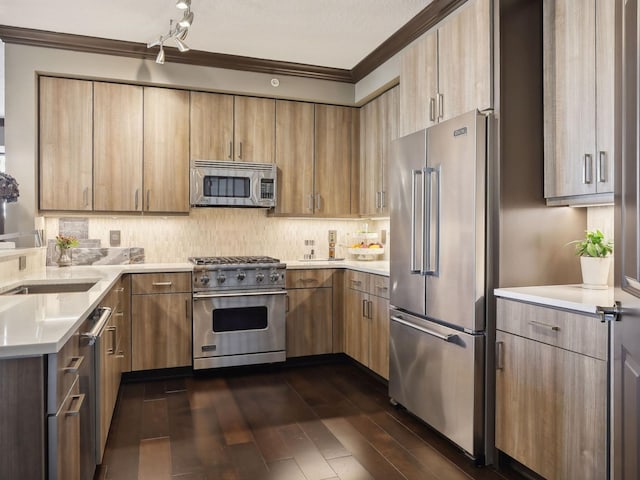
[
  {"x": 41, "y": 324},
  {"x": 569, "y": 297},
  {"x": 377, "y": 267}
]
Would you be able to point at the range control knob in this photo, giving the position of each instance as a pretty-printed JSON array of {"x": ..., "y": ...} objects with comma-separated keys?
[
  {"x": 259, "y": 277},
  {"x": 221, "y": 278},
  {"x": 241, "y": 276},
  {"x": 204, "y": 280},
  {"x": 274, "y": 276}
]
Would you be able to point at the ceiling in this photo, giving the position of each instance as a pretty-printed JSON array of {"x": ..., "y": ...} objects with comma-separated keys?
[{"x": 328, "y": 33}]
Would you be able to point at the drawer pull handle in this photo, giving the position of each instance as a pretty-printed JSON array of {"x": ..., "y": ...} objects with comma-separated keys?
[
  {"x": 74, "y": 365},
  {"x": 76, "y": 412},
  {"x": 162, "y": 284},
  {"x": 382, "y": 287},
  {"x": 544, "y": 325},
  {"x": 356, "y": 282},
  {"x": 120, "y": 290},
  {"x": 307, "y": 280},
  {"x": 118, "y": 314},
  {"x": 499, "y": 356}
]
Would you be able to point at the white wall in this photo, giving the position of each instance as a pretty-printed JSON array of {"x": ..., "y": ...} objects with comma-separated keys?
[{"x": 1, "y": 79}]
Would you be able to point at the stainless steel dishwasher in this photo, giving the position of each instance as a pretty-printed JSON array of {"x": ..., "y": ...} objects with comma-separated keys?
[{"x": 89, "y": 372}]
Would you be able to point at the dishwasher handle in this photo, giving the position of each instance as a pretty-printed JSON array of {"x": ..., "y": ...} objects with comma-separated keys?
[
  {"x": 94, "y": 333},
  {"x": 447, "y": 337}
]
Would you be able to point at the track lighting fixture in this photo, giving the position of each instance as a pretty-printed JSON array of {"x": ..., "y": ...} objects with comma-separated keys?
[{"x": 177, "y": 33}]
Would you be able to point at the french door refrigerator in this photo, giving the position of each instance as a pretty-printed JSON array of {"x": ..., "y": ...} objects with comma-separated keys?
[{"x": 437, "y": 314}]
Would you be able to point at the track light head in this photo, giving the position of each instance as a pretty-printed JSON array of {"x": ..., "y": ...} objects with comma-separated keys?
[
  {"x": 183, "y": 4},
  {"x": 160, "y": 57},
  {"x": 187, "y": 19},
  {"x": 183, "y": 47}
]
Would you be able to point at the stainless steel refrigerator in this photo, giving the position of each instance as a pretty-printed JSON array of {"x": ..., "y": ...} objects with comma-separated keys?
[{"x": 438, "y": 210}]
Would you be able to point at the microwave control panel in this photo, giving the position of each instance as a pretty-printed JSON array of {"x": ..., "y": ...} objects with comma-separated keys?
[{"x": 267, "y": 190}]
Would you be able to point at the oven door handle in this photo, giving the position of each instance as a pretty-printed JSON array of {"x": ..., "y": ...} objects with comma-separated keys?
[{"x": 238, "y": 294}]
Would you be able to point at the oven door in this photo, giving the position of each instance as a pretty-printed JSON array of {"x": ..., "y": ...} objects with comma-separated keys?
[{"x": 240, "y": 328}]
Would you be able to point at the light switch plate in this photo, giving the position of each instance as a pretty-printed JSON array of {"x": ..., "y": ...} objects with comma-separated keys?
[
  {"x": 333, "y": 236},
  {"x": 22, "y": 262},
  {"x": 114, "y": 238}
]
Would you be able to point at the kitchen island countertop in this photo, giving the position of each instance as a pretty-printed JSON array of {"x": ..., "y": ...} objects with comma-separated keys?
[{"x": 569, "y": 297}]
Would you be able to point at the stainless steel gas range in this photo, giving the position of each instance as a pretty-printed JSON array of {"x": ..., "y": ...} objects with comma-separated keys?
[{"x": 238, "y": 311}]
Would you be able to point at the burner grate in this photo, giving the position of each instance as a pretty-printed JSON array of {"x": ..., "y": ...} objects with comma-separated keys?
[{"x": 239, "y": 260}]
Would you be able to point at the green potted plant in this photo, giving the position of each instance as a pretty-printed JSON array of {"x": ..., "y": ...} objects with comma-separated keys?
[{"x": 595, "y": 259}]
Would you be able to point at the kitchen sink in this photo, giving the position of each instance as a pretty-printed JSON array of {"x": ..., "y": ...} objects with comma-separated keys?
[{"x": 40, "y": 288}]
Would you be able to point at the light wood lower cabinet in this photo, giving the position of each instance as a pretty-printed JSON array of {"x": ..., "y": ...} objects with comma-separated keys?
[
  {"x": 161, "y": 326},
  {"x": 64, "y": 432},
  {"x": 550, "y": 394},
  {"x": 309, "y": 312},
  {"x": 366, "y": 320}
]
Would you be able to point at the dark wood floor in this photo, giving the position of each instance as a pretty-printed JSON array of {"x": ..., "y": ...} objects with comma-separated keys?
[{"x": 332, "y": 421}]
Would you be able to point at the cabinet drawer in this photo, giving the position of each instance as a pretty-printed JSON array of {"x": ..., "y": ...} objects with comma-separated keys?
[
  {"x": 379, "y": 286},
  {"x": 63, "y": 367},
  {"x": 64, "y": 437},
  {"x": 146, "y": 283},
  {"x": 309, "y": 278},
  {"x": 357, "y": 280},
  {"x": 572, "y": 331}
]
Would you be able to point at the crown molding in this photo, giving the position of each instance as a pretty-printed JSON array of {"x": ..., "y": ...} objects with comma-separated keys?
[{"x": 423, "y": 21}]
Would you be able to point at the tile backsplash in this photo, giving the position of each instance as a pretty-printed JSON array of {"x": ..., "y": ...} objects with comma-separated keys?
[{"x": 222, "y": 231}]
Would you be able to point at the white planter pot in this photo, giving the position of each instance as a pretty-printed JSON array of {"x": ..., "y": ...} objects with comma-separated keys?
[{"x": 595, "y": 272}]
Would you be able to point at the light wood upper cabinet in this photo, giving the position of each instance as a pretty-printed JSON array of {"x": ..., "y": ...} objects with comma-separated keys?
[
  {"x": 166, "y": 150},
  {"x": 211, "y": 126},
  {"x": 551, "y": 391},
  {"x": 294, "y": 157},
  {"x": 117, "y": 147},
  {"x": 333, "y": 160},
  {"x": 254, "y": 127},
  {"x": 232, "y": 128},
  {"x": 378, "y": 128},
  {"x": 65, "y": 137},
  {"x": 578, "y": 98},
  {"x": 419, "y": 84},
  {"x": 449, "y": 70},
  {"x": 464, "y": 60}
]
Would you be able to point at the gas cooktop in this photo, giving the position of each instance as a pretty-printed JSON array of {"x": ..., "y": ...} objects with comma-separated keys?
[{"x": 232, "y": 260}]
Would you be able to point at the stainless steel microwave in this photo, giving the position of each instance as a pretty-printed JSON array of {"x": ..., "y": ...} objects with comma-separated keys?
[{"x": 232, "y": 184}]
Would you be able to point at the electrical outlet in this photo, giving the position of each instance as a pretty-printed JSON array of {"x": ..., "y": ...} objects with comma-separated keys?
[
  {"x": 333, "y": 236},
  {"x": 22, "y": 262},
  {"x": 114, "y": 238}
]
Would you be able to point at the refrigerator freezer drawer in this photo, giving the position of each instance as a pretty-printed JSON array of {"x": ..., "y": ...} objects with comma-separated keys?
[{"x": 437, "y": 374}]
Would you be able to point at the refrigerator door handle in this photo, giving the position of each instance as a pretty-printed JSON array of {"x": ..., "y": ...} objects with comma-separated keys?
[
  {"x": 413, "y": 264},
  {"x": 450, "y": 337},
  {"x": 432, "y": 211},
  {"x": 426, "y": 220}
]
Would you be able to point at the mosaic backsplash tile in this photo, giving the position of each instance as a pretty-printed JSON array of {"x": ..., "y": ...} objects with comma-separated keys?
[{"x": 224, "y": 231}]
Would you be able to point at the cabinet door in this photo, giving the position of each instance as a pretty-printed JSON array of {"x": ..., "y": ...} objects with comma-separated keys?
[
  {"x": 161, "y": 331},
  {"x": 123, "y": 323},
  {"x": 294, "y": 157},
  {"x": 117, "y": 147},
  {"x": 465, "y": 68},
  {"x": 65, "y": 144},
  {"x": 254, "y": 125},
  {"x": 379, "y": 339},
  {"x": 389, "y": 120},
  {"x": 166, "y": 150},
  {"x": 370, "y": 157},
  {"x": 333, "y": 160},
  {"x": 418, "y": 84},
  {"x": 605, "y": 98},
  {"x": 64, "y": 437},
  {"x": 309, "y": 321},
  {"x": 551, "y": 408},
  {"x": 356, "y": 326},
  {"x": 211, "y": 126},
  {"x": 569, "y": 97}
]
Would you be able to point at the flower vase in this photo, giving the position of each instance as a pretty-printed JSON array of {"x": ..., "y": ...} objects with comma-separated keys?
[
  {"x": 595, "y": 272},
  {"x": 64, "y": 259}
]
